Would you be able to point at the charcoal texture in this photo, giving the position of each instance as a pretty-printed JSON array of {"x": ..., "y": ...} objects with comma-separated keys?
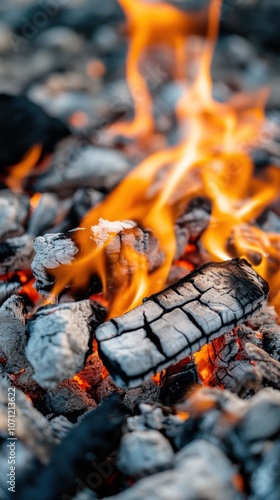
[
  {"x": 14, "y": 210},
  {"x": 86, "y": 167},
  {"x": 16, "y": 254},
  {"x": 16, "y": 112},
  {"x": 59, "y": 338},
  {"x": 94, "y": 438},
  {"x": 177, "y": 322}
]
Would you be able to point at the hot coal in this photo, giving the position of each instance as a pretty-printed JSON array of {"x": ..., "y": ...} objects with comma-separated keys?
[
  {"x": 16, "y": 112},
  {"x": 202, "y": 470},
  {"x": 16, "y": 254},
  {"x": 13, "y": 341},
  {"x": 87, "y": 166},
  {"x": 269, "y": 368},
  {"x": 68, "y": 399},
  {"x": 144, "y": 453},
  {"x": 177, "y": 322},
  {"x": 8, "y": 288},
  {"x": 54, "y": 250},
  {"x": 48, "y": 212},
  {"x": 14, "y": 210},
  {"x": 33, "y": 430},
  {"x": 59, "y": 339},
  {"x": 93, "y": 439},
  {"x": 51, "y": 251},
  {"x": 178, "y": 380}
]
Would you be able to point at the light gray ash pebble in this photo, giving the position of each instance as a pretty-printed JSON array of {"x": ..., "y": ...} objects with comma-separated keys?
[
  {"x": 143, "y": 453},
  {"x": 59, "y": 338}
]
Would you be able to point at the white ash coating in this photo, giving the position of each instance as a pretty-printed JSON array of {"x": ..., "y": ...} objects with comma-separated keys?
[
  {"x": 59, "y": 341},
  {"x": 143, "y": 453}
]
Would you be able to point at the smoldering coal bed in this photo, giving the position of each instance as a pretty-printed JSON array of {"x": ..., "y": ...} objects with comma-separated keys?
[{"x": 139, "y": 250}]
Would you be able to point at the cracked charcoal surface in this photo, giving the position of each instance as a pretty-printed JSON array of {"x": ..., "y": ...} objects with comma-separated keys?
[
  {"x": 16, "y": 254},
  {"x": 178, "y": 321},
  {"x": 52, "y": 250},
  {"x": 14, "y": 210},
  {"x": 59, "y": 340}
]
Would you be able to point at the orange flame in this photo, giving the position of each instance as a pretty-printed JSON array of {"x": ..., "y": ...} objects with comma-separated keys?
[
  {"x": 148, "y": 26},
  {"x": 21, "y": 170},
  {"x": 212, "y": 159}
]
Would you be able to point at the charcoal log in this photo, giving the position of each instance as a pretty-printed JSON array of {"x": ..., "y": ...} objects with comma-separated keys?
[
  {"x": 14, "y": 209},
  {"x": 59, "y": 339},
  {"x": 177, "y": 322},
  {"x": 16, "y": 254}
]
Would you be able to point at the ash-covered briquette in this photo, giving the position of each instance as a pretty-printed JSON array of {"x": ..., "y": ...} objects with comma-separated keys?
[
  {"x": 13, "y": 341},
  {"x": 14, "y": 209},
  {"x": 177, "y": 322},
  {"x": 59, "y": 339},
  {"x": 16, "y": 254},
  {"x": 97, "y": 435},
  {"x": 86, "y": 166}
]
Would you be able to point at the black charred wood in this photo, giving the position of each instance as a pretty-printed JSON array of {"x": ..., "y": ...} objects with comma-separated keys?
[
  {"x": 178, "y": 380},
  {"x": 177, "y": 322},
  {"x": 93, "y": 439},
  {"x": 24, "y": 124}
]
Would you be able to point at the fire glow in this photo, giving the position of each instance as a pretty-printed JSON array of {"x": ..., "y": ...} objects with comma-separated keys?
[{"x": 211, "y": 159}]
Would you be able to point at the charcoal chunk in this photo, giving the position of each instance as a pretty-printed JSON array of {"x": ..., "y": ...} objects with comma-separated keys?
[{"x": 59, "y": 339}]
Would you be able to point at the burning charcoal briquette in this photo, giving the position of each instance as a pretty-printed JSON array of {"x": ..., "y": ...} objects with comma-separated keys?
[
  {"x": 143, "y": 453},
  {"x": 13, "y": 341},
  {"x": 178, "y": 321},
  {"x": 268, "y": 367},
  {"x": 59, "y": 338},
  {"x": 87, "y": 166},
  {"x": 14, "y": 209},
  {"x": 16, "y": 254}
]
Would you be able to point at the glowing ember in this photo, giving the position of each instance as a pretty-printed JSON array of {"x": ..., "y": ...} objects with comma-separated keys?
[{"x": 211, "y": 160}]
